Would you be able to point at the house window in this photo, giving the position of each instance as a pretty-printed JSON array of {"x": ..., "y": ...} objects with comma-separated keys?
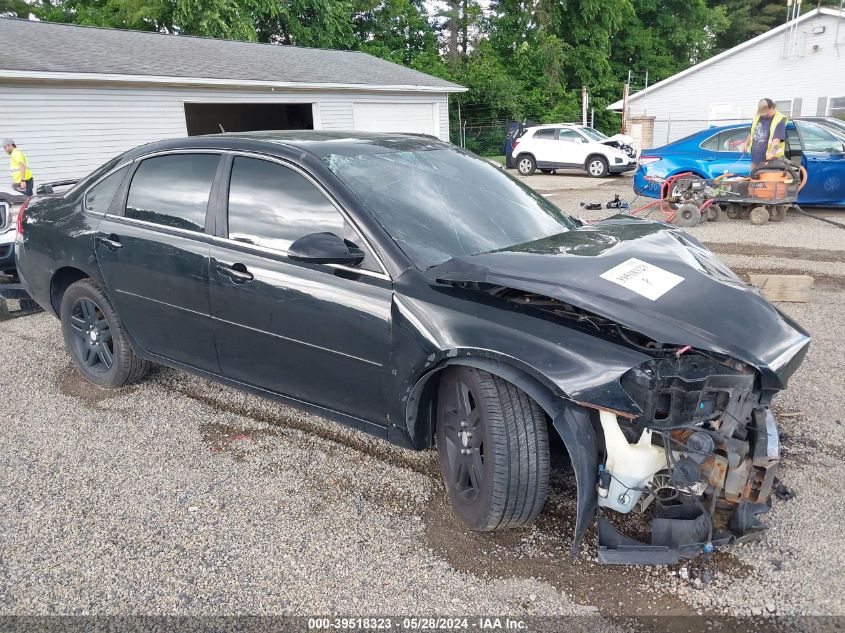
[
  {"x": 784, "y": 106},
  {"x": 836, "y": 107}
]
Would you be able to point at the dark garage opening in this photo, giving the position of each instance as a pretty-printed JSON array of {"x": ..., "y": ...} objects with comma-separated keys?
[{"x": 207, "y": 118}]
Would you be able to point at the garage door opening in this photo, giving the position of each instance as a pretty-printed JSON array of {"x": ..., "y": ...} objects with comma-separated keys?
[{"x": 207, "y": 118}]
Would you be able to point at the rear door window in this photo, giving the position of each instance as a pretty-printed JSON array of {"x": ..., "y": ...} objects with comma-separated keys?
[
  {"x": 173, "y": 190},
  {"x": 99, "y": 197},
  {"x": 546, "y": 133},
  {"x": 727, "y": 140}
]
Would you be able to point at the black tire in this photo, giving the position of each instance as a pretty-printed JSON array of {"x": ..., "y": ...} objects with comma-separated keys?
[
  {"x": 715, "y": 213},
  {"x": 503, "y": 480},
  {"x": 526, "y": 165},
  {"x": 596, "y": 167},
  {"x": 95, "y": 337}
]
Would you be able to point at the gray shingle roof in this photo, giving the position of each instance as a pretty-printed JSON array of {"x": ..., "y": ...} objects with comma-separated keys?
[{"x": 65, "y": 48}]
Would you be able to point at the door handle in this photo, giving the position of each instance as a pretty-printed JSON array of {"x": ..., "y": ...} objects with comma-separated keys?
[
  {"x": 112, "y": 242},
  {"x": 236, "y": 272}
]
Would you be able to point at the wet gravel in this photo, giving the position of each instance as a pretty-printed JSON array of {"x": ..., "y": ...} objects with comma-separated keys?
[{"x": 179, "y": 496}]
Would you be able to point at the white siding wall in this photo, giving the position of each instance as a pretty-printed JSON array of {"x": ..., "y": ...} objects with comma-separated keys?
[
  {"x": 732, "y": 86},
  {"x": 68, "y": 130}
]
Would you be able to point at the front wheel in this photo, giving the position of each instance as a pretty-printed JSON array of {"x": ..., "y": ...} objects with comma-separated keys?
[
  {"x": 597, "y": 167},
  {"x": 95, "y": 337},
  {"x": 493, "y": 448}
]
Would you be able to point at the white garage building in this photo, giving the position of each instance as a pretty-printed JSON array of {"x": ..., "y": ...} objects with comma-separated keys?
[
  {"x": 800, "y": 64},
  {"x": 74, "y": 96}
]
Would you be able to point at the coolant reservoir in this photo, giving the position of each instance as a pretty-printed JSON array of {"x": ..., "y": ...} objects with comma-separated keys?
[{"x": 631, "y": 465}]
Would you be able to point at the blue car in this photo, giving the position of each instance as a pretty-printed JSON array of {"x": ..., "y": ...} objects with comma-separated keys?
[{"x": 714, "y": 151}]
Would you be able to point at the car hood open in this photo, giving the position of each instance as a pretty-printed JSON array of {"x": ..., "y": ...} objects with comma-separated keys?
[{"x": 649, "y": 278}]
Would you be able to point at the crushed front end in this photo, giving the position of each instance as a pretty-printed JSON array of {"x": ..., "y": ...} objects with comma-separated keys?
[{"x": 700, "y": 461}]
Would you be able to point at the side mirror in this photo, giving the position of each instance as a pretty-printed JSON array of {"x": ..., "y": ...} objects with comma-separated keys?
[{"x": 325, "y": 248}]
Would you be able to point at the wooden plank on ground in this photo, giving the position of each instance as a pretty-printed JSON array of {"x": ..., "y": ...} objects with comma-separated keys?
[{"x": 792, "y": 288}]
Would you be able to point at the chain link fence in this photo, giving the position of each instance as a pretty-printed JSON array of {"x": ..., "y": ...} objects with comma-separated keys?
[{"x": 668, "y": 130}]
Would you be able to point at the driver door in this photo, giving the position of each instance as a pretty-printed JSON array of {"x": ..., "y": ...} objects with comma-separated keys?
[
  {"x": 824, "y": 159},
  {"x": 318, "y": 333}
]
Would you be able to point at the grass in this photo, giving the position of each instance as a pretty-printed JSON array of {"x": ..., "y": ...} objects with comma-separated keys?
[{"x": 499, "y": 159}]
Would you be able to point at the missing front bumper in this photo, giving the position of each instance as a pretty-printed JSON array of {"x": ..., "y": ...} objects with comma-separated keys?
[{"x": 737, "y": 492}]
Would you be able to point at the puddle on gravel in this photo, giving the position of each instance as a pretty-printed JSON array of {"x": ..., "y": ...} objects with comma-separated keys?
[
  {"x": 372, "y": 446},
  {"x": 542, "y": 551},
  {"x": 72, "y": 383}
]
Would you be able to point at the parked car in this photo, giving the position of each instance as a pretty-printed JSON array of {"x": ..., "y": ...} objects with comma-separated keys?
[
  {"x": 564, "y": 146},
  {"x": 10, "y": 203},
  {"x": 410, "y": 289},
  {"x": 714, "y": 151},
  {"x": 832, "y": 124}
]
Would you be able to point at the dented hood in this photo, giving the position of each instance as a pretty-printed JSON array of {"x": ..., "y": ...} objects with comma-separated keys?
[
  {"x": 652, "y": 279},
  {"x": 622, "y": 139}
]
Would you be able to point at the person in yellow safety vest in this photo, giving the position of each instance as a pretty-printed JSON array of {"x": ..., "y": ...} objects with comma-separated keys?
[
  {"x": 767, "y": 138},
  {"x": 21, "y": 175}
]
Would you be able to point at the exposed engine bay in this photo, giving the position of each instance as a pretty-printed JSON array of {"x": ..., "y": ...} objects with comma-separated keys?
[
  {"x": 623, "y": 142},
  {"x": 700, "y": 460}
]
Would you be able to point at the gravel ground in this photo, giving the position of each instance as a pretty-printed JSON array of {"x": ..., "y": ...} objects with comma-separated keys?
[{"x": 179, "y": 496}]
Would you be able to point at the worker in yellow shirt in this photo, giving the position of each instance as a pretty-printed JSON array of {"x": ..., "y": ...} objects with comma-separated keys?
[{"x": 21, "y": 175}]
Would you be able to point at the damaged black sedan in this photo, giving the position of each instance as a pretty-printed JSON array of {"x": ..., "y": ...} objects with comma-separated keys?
[{"x": 413, "y": 290}]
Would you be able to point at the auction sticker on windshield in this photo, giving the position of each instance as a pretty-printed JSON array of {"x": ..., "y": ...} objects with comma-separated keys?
[{"x": 645, "y": 279}]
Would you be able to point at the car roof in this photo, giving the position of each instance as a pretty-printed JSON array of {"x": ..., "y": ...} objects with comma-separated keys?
[
  {"x": 319, "y": 143},
  {"x": 548, "y": 125}
]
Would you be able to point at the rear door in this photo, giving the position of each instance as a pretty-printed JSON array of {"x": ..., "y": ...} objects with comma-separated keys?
[
  {"x": 824, "y": 159},
  {"x": 721, "y": 153},
  {"x": 544, "y": 147},
  {"x": 153, "y": 253},
  {"x": 317, "y": 333}
]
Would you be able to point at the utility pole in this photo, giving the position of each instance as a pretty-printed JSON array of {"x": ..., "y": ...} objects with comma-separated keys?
[
  {"x": 625, "y": 89},
  {"x": 584, "y": 99}
]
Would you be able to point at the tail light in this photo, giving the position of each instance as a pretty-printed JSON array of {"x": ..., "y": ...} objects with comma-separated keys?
[
  {"x": 647, "y": 160},
  {"x": 514, "y": 144},
  {"x": 20, "y": 216}
]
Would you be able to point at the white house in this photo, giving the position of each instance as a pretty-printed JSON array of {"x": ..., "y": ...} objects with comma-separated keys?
[
  {"x": 74, "y": 96},
  {"x": 801, "y": 65}
]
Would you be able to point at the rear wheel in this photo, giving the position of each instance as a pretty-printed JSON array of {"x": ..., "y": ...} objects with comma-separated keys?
[
  {"x": 526, "y": 165},
  {"x": 493, "y": 449},
  {"x": 95, "y": 337}
]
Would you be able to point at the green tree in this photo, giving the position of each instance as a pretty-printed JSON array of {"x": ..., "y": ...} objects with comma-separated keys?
[
  {"x": 398, "y": 30},
  {"x": 664, "y": 37}
]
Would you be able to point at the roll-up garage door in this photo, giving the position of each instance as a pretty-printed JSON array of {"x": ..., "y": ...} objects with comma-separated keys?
[{"x": 419, "y": 118}]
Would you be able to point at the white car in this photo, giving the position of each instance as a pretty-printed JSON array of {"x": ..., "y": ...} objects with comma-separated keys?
[
  {"x": 566, "y": 146},
  {"x": 10, "y": 203}
]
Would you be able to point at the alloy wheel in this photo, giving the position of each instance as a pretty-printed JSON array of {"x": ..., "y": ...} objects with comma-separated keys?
[
  {"x": 596, "y": 168},
  {"x": 464, "y": 436},
  {"x": 524, "y": 166},
  {"x": 92, "y": 338}
]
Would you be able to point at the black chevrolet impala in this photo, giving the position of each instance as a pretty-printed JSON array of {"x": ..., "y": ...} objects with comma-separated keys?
[{"x": 410, "y": 289}]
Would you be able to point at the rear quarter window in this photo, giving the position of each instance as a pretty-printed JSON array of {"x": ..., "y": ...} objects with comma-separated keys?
[{"x": 99, "y": 197}]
